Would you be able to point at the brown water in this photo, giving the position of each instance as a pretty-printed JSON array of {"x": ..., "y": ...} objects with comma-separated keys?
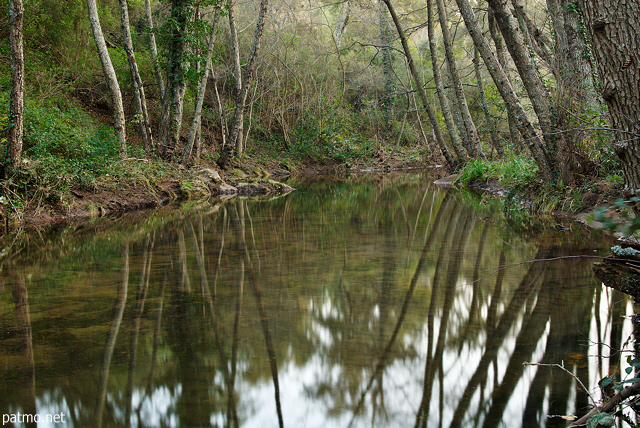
[{"x": 372, "y": 301}]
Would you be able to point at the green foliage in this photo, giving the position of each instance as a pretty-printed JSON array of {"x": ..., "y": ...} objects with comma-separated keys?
[
  {"x": 625, "y": 222},
  {"x": 601, "y": 420},
  {"x": 327, "y": 135},
  {"x": 510, "y": 171}
]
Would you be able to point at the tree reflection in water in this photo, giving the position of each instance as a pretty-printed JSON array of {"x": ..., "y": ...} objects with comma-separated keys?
[{"x": 375, "y": 303}]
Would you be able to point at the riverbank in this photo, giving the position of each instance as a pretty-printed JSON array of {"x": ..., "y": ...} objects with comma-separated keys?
[{"x": 156, "y": 186}]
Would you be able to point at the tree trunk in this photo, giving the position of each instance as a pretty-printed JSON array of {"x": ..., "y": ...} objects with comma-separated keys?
[
  {"x": 456, "y": 142},
  {"x": 110, "y": 76},
  {"x": 16, "y": 103},
  {"x": 341, "y": 22},
  {"x": 235, "y": 132},
  {"x": 136, "y": 80},
  {"x": 237, "y": 76},
  {"x": 172, "y": 106},
  {"x": 154, "y": 50},
  {"x": 195, "y": 125},
  {"x": 614, "y": 30},
  {"x": 495, "y": 141},
  {"x": 557, "y": 151},
  {"x": 469, "y": 131},
  {"x": 503, "y": 59},
  {"x": 423, "y": 95},
  {"x": 577, "y": 73},
  {"x": 536, "y": 146}
]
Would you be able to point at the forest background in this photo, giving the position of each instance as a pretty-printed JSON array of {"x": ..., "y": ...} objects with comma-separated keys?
[{"x": 106, "y": 94}]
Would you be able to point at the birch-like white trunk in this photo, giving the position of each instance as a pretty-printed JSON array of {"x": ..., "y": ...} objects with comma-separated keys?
[{"x": 110, "y": 76}]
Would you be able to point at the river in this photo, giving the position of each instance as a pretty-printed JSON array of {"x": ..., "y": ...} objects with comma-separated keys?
[{"x": 365, "y": 301}]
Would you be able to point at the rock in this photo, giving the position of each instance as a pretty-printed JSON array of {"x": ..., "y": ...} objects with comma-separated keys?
[{"x": 210, "y": 174}]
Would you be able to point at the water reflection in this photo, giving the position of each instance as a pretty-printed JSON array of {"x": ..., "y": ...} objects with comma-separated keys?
[{"x": 373, "y": 301}]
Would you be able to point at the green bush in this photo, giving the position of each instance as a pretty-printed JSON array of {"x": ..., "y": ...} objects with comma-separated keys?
[{"x": 327, "y": 135}]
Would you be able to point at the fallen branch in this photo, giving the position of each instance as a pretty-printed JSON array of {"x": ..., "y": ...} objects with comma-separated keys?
[{"x": 629, "y": 391}]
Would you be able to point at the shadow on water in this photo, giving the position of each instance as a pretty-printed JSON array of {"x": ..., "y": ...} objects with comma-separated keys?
[{"x": 375, "y": 302}]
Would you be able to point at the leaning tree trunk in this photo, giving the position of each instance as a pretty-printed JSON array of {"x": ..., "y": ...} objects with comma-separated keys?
[
  {"x": 235, "y": 132},
  {"x": 469, "y": 131},
  {"x": 341, "y": 22},
  {"x": 491, "y": 125},
  {"x": 154, "y": 50},
  {"x": 560, "y": 158},
  {"x": 503, "y": 59},
  {"x": 387, "y": 66},
  {"x": 456, "y": 142},
  {"x": 16, "y": 104},
  {"x": 536, "y": 146},
  {"x": 614, "y": 30},
  {"x": 110, "y": 76},
  {"x": 423, "y": 95},
  {"x": 136, "y": 80}
]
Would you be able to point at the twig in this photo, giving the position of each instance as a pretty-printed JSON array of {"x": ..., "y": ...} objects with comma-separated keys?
[{"x": 561, "y": 366}]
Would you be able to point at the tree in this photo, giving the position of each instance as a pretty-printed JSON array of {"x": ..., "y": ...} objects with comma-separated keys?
[
  {"x": 559, "y": 155},
  {"x": 154, "y": 49},
  {"x": 197, "y": 116},
  {"x": 416, "y": 77},
  {"x": 468, "y": 128},
  {"x": 456, "y": 142},
  {"x": 510, "y": 98},
  {"x": 136, "y": 80},
  {"x": 173, "y": 102},
  {"x": 16, "y": 105},
  {"x": 235, "y": 133},
  {"x": 110, "y": 76},
  {"x": 614, "y": 31}
]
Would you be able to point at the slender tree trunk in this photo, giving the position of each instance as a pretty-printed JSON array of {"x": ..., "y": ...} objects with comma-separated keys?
[
  {"x": 154, "y": 50},
  {"x": 533, "y": 37},
  {"x": 229, "y": 150},
  {"x": 237, "y": 75},
  {"x": 559, "y": 156},
  {"x": 110, "y": 76},
  {"x": 136, "y": 80},
  {"x": 503, "y": 59},
  {"x": 469, "y": 132},
  {"x": 536, "y": 146},
  {"x": 172, "y": 106},
  {"x": 16, "y": 104},
  {"x": 495, "y": 141},
  {"x": 195, "y": 125},
  {"x": 423, "y": 95},
  {"x": 614, "y": 30},
  {"x": 456, "y": 142},
  {"x": 341, "y": 22}
]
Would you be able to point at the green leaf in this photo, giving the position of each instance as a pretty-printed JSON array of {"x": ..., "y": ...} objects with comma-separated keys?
[
  {"x": 605, "y": 382},
  {"x": 628, "y": 370},
  {"x": 601, "y": 420}
]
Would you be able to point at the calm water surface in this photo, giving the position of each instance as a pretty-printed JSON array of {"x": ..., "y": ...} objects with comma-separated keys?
[{"x": 371, "y": 301}]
